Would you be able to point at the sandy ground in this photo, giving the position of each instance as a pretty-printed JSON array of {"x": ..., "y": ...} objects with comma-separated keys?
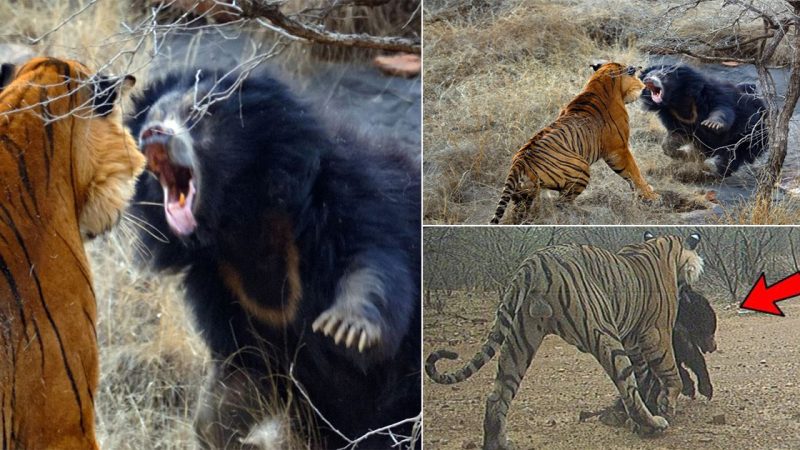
[{"x": 754, "y": 373}]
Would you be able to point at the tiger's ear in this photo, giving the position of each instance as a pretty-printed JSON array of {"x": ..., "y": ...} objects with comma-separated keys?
[
  {"x": 596, "y": 66},
  {"x": 648, "y": 235},
  {"x": 6, "y": 74},
  {"x": 107, "y": 90},
  {"x": 692, "y": 241}
]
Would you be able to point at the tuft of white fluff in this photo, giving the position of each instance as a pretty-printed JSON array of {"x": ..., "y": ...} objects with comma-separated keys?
[{"x": 269, "y": 434}]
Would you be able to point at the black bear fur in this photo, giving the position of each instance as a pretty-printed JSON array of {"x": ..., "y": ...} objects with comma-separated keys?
[{"x": 720, "y": 119}]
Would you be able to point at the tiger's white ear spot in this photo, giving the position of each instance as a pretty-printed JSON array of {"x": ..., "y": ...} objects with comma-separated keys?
[
  {"x": 648, "y": 235},
  {"x": 597, "y": 64}
]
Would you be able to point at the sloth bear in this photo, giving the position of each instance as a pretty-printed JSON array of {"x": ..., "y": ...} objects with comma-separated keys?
[
  {"x": 694, "y": 332},
  {"x": 301, "y": 253},
  {"x": 722, "y": 120}
]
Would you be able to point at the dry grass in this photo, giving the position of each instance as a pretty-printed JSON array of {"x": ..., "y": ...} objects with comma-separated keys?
[
  {"x": 152, "y": 362},
  {"x": 494, "y": 75}
]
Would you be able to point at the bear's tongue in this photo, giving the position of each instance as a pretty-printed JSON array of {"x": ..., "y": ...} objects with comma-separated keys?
[
  {"x": 656, "y": 96},
  {"x": 178, "y": 210},
  {"x": 656, "y": 93}
]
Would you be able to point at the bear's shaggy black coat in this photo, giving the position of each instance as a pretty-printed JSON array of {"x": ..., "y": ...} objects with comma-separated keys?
[
  {"x": 722, "y": 120},
  {"x": 279, "y": 196},
  {"x": 694, "y": 333}
]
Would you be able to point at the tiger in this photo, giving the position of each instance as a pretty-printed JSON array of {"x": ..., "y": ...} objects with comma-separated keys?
[
  {"x": 592, "y": 126},
  {"x": 67, "y": 169},
  {"x": 620, "y": 307}
]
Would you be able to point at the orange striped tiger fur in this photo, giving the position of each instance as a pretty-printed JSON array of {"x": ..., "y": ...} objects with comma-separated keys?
[
  {"x": 67, "y": 168},
  {"x": 593, "y": 126},
  {"x": 620, "y": 307}
]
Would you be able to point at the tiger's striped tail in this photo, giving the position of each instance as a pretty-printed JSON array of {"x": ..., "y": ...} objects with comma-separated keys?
[
  {"x": 511, "y": 187},
  {"x": 502, "y": 324}
]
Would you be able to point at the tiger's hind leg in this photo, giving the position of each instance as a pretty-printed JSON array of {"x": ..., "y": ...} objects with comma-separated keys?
[
  {"x": 523, "y": 203},
  {"x": 571, "y": 189},
  {"x": 614, "y": 359},
  {"x": 516, "y": 355}
]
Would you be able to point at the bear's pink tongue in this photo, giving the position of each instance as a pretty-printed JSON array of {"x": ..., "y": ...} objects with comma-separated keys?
[
  {"x": 657, "y": 96},
  {"x": 179, "y": 212}
]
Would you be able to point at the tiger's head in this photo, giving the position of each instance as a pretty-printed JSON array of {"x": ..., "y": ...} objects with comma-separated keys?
[
  {"x": 690, "y": 264},
  {"x": 73, "y": 117},
  {"x": 621, "y": 78}
]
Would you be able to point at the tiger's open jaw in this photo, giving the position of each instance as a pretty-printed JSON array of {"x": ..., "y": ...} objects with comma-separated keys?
[
  {"x": 656, "y": 89},
  {"x": 177, "y": 181}
]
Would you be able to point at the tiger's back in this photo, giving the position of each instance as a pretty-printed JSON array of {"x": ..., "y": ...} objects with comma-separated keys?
[
  {"x": 67, "y": 168},
  {"x": 593, "y": 126}
]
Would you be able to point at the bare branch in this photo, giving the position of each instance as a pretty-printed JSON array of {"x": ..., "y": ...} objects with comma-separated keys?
[{"x": 271, "y": 10}]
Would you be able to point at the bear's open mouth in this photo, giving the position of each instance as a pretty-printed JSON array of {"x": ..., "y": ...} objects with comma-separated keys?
[
  {"x": 176, "y": 180},
  {"x": 655, "y": 88}
]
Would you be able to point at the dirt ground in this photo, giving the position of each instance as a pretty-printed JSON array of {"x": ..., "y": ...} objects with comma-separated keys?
[{"x": 754, "y": 373}]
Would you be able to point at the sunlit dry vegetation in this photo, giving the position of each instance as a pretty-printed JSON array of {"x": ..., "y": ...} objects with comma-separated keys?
[{"x": 497, "y": 72}]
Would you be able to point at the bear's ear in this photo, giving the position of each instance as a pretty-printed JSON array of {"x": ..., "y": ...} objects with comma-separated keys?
[
  {"x": 6, "y": 74},
  {"x": 632, "y": 70}
]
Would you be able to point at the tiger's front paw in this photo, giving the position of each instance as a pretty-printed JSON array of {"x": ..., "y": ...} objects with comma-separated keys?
[
  {"x": 658, "y": 426},
  {"x": 650, "y": 196}
]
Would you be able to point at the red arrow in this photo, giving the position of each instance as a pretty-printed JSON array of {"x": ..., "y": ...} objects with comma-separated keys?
[{"x": 763, "y": 299}]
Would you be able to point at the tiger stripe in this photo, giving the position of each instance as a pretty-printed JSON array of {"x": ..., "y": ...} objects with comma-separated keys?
[{"x": 67, "y": 171}]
